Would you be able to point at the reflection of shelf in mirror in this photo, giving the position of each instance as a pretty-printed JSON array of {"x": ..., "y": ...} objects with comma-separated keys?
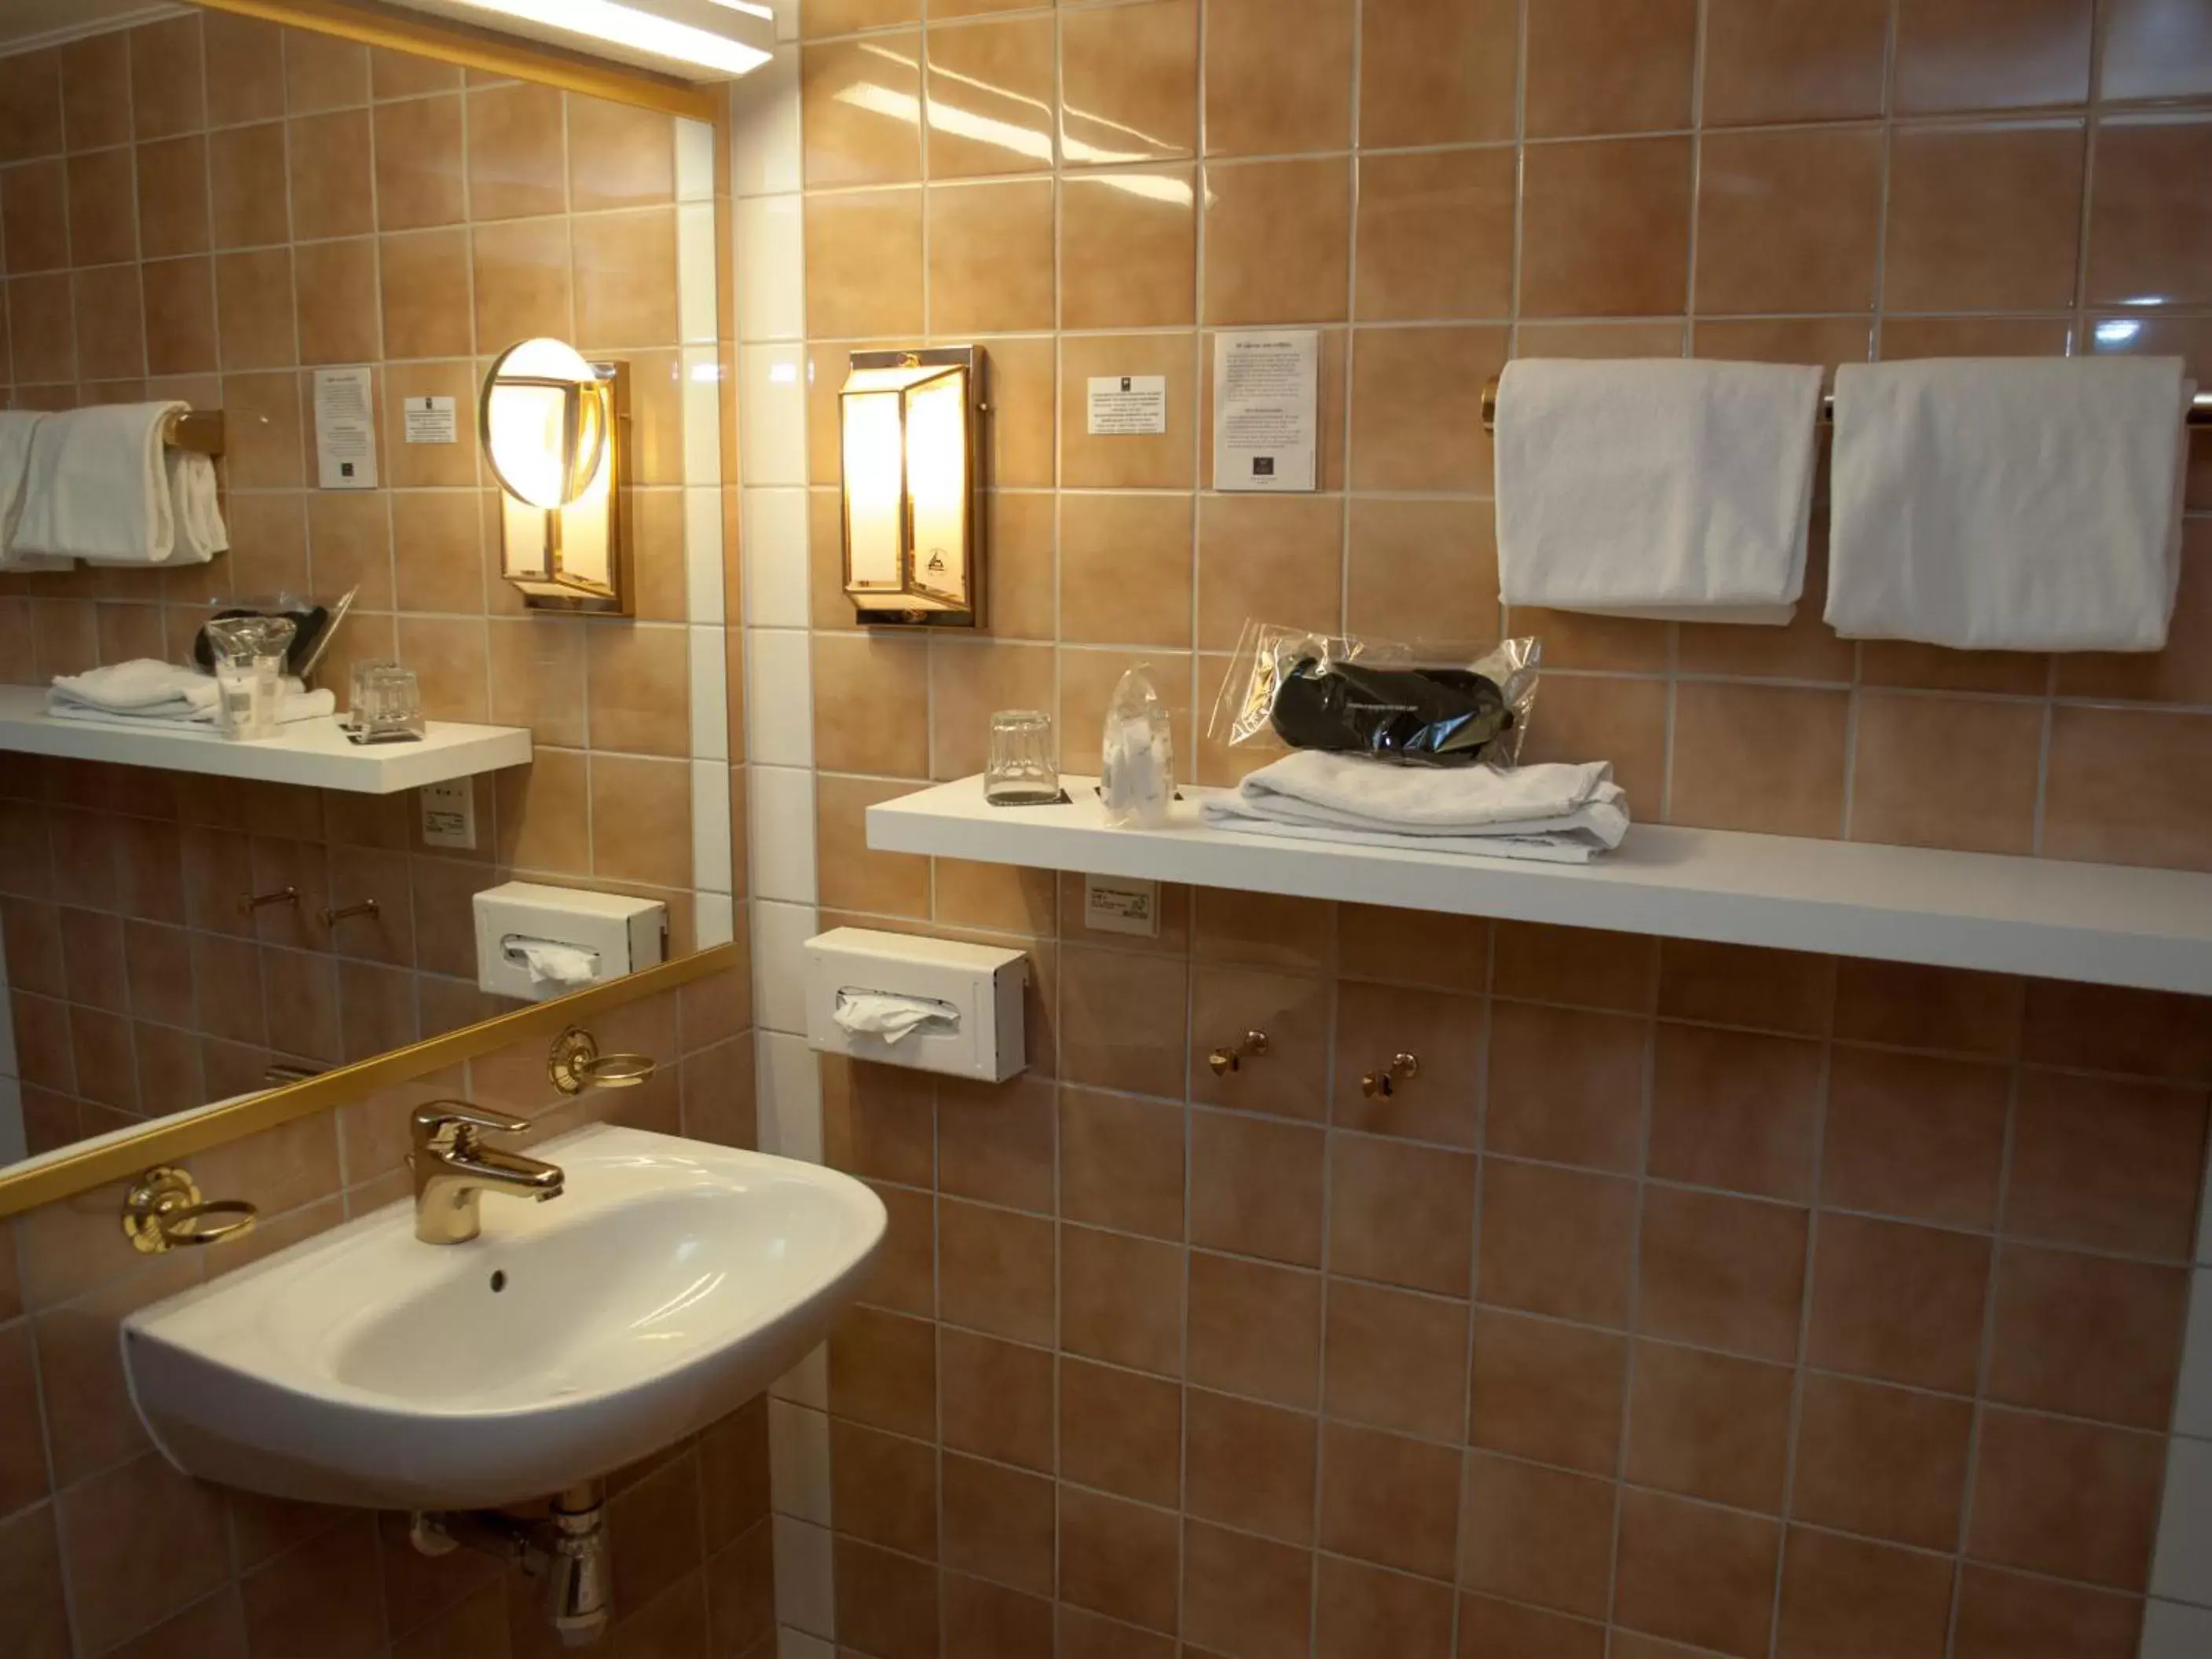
[
  {"x": 2104, "y": 923},
  {"x": 312, "y": 753}
]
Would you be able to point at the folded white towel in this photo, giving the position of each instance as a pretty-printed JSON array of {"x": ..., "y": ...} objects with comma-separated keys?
[
  {"x": 1555, "y": 811},
  {"x": 197, "y": 513},
  {"x": 141, "y": 686},
  {"x": 99, "y": 487},
  {"x": 296, "y": 705},
  {"x": 1655, "y": 487},
  {"x": 17, "y": 429},
  {"x": 2030, "y": 504}
]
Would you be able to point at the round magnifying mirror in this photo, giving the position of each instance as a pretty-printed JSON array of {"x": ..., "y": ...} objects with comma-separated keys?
[{"x": 542, "y": 419}]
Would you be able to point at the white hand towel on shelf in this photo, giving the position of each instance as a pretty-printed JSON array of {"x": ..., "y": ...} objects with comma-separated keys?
[
  {"x": 2028, "y": 504},
  {"x": 17, "y": 430},
  {"x": 141, "y": 689},
  {"x": 1656, "y": 488},
  {"x": 296, "y": 705},
  {"x": 1557, "y": 812},
  {"x": 99, "y": 487}
]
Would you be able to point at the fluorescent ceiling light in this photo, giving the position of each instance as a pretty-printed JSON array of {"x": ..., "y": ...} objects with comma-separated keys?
[{"x": 701, "y": 40}]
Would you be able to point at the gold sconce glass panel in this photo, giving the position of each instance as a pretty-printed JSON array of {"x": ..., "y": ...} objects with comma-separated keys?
[
  {"x": 910, "y": 426},
  {"x": 555, "y": 428}
]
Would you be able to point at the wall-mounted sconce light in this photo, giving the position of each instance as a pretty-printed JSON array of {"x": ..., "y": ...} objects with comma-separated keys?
[
  {"x": 912, "y": 425},
  {"x": 555, "y": 428}
]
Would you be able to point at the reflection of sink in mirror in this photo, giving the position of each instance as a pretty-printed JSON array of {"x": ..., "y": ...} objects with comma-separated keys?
[{"x": 671, "y": 1282}]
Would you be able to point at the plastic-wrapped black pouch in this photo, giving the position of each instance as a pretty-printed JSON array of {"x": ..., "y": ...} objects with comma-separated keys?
[
  {"x": 1424, "y": 702},
  {"x": 1419, "y": 716}
]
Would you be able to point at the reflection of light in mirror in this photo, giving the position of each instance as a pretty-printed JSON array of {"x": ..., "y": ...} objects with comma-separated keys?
[
  {"x": 690, "y": 1296},
  {"x": 783, "y": 374},
  {"x": 2118, "y": 333},
  {"x": 710, "y": 371}
]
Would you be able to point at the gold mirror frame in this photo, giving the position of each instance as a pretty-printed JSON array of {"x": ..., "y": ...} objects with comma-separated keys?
[
  {"x": 72, "y": 1169},
  {"x": 77, "y": 1168}
]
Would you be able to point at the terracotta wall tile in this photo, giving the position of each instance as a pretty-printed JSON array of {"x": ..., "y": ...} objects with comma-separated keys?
[
  {"x": 1437, "y": 72},
  {"x": 1788, "y": 221},
  {"x": 1983, "y": 220},
  {"x": 1793, "y": 60},
  {"x": 1989, "y": 54},
  {"x": 1128, "y": 82},
  {"x": 1536, "y": 1534},
  {"x": 1251, "y": 209},
  {"x": 2071, "y": 1500},
  {"x": 2004, "y": 1612},
  {"x": 1278, "y": 75},
  {"x": 990, "y": 95},
  {"x": 1255, "y": 1329},
  {"x": 1605, "y": 66},
  {"x": 860, "y": 104},
  {"x": 1582, "y": 204},
  {"x": 1885, "y": 1462},
  {"x": 1694, "y": 1574},
  {"x": 1557, "y": 1242}
]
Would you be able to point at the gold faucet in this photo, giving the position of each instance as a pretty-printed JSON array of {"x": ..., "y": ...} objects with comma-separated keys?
[{"x": 453, "y": 1168}]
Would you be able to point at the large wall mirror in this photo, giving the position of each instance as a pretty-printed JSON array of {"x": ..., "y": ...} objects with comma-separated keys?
[{"x": 217, "y": 210}]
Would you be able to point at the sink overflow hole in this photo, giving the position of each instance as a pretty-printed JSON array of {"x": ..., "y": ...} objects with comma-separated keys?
[{"x": 499, "y": 1281}]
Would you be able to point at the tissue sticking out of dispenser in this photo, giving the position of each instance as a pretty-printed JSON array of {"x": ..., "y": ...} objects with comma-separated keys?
[
  {"x": 937, "y": 1004},
  {"x": 535, "y": 942},
  {"x": 891, "y": 1017}
]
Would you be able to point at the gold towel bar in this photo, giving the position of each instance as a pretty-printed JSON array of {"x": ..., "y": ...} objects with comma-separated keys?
[
  {"x": 2200, "y": 411},
  {"x": 200, "y": 430}
]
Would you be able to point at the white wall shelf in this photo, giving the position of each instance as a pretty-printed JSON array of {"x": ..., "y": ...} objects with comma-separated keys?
[
  {"x": 312, "y": 753},
  {"x": 2106, "y": 924}
]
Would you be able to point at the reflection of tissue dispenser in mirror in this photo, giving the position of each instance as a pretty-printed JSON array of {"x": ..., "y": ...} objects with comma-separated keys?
[
  {"x": 536, "y": 942},
  {"x": 906, "y": 1000}
]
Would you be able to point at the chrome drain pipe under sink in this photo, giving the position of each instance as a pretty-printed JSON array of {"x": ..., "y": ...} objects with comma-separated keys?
[{"x": 567, "y": 1553}]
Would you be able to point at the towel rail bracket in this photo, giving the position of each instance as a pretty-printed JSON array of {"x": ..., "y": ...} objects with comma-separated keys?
[{"x": 200, "y": 430}]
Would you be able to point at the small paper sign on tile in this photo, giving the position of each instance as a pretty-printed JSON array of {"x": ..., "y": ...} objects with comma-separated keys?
[
  {"x": 431, "y": 420},
  {"x": 345, "y": 429},
  {"x": 1129, "y": 405},
  {"x": 1265, "y": 410}
]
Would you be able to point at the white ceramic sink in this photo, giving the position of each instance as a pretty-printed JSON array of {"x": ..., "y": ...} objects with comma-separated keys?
[{"x": 671, "y": 1282}]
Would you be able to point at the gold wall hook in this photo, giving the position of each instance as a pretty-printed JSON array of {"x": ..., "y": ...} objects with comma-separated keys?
[
  {"x": 575, "y": 1064},
  {"x": 164, "y": 1209},
  {"x": 249, "y": 902},
  {"x": 1402, "y": 1068},
  {"x": 332, "y": 917},
  {"x": 1227, "y": 1059}
]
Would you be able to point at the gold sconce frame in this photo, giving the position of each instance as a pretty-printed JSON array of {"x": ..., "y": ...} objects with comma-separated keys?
[
  {"x": 910, "y": 433},
  {"x": 571, "y": 551}
]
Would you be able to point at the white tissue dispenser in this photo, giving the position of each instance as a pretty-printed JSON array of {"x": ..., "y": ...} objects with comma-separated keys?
[
  {"x": 615, "y": 935},
  {"x": 971, "y": 992}
]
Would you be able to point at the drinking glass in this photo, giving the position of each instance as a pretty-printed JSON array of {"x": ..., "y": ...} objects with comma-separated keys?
[{"x": 1022, "y": 770}]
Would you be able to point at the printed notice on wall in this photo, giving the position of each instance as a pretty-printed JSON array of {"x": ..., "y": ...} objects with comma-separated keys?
[
  {"x": 345, "y": 429},
  {"x": 1129, "y": 405},
  {"x": 431, "y": 421},
  {"x": 1265, "y": 410}
]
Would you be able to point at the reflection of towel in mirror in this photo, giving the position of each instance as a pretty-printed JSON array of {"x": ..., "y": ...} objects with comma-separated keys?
[{"x": 1556, "y": 812}]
